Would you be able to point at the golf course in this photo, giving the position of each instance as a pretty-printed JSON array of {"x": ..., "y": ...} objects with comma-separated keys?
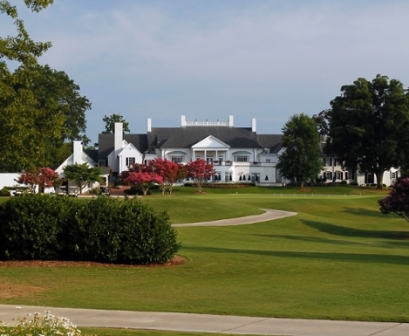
[{"x": 338, "y": 258}]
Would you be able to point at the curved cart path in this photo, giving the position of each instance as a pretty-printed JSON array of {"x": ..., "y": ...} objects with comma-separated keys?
[{"x": 265, "y": 217}]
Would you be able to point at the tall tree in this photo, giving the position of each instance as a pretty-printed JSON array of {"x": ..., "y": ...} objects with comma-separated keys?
[
  {"x": 81, "y": 174},
  {"x": 29, "y": 126},
  {"x": 369, "y": 126},
  {"x": 301, "y": 159},
  {"x": 200, "y": 171},
  {"x": 110, "y": 123}
]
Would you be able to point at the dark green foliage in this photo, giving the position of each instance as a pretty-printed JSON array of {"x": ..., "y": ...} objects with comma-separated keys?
[
  {"x": 29, "y": 227},
  {"x": 301, "y": 160},
  {"x": 368, "y": 126},
  {"x": 4, "y": 192},
  {"x": 101, "y": 229}
]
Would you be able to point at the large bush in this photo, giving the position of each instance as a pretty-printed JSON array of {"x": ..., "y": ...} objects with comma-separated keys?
[{"x": 101, "y": 229}]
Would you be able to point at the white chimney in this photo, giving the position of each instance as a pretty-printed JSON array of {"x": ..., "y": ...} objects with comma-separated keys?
[
  {"x": 77, "y": 152},
  {"x": 231, "y": 121},
  {"x": 148, "y": 125},
  {"x": 118, "y": 137},
  {"x": 182, "y": 121},
  {"x": 253, "y": 125}
]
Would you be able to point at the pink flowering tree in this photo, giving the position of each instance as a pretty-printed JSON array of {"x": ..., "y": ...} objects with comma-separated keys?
[
  {"x": 166, "y": 169},
  {"x": 43, "y": 177},
  {"x": 398, "y": 200},
  {"x": 199, "y": 171},
  {"x": 142, "y": 176}
]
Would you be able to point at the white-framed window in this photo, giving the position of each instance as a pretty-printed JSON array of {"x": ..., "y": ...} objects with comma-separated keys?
[
  {"x": 241, "y": 158},
  {"x": 130, "y": 161},
  {"x": 328, "y": 175},
  {"x": 339, "y": 175},
  {"x": 330, "y": 162},
  {"x": 228, "y": 177},
  {"x": 177, "y": 159},
  {"x": 209, "y": 159},
  {"x": 268, "y": 160},
  {"x": 393, "y": 175}
]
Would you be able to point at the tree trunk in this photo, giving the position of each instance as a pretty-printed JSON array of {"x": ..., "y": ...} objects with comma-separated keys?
[{"x": 379, "y": 180}]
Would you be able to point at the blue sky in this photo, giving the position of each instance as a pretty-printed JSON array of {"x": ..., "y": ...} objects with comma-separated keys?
[{"x": 209, "y": 59}]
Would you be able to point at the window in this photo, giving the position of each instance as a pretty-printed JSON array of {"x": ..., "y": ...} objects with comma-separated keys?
[
  {"x": 227, "y": 176},
  {"x": 330, "y": 162},
  {"x": 102, "y": 162},
  {"x": 324, "y": 161},
  {"x": 329, "y": 175},
  {"x": 346, "y": 176},
  {"x": 209, "y": 159},
  {"x": 177, "y": 159},
  {"x": 339, "y": 175},
  {"x": 393, "y": 175},
  {"x": 268, "y": 160},
  {"x": 130, "y": 161},
  {"x": 241, "y": 158}
]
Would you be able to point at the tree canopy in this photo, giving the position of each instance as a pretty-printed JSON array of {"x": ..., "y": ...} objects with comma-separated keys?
[
  {"x": 301, "y": 159},
  {"x": 368, "y": 126},
  {"x": 199, "y": 170},
  {"x": 81, "y": 174},
  {"x": 110, "y": 123},
  {"x": 40, "y": 107}
]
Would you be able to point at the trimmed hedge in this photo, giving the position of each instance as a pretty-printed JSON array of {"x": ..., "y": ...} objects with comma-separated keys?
[{"x": 102, "y": 229}]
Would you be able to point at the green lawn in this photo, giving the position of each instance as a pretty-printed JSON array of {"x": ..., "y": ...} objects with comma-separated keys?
[{"x": 339, "y": 258}]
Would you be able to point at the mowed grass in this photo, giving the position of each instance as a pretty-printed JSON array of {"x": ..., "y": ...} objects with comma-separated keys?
[{"x": 339, "y": 258}]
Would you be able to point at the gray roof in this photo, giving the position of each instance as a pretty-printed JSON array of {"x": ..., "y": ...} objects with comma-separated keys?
[
  {"x": 92, "y": 153},
  {"x": 270, "y": 141},
  {"x": 106, "y": 143},
  {"x": 186, "y": 137}
]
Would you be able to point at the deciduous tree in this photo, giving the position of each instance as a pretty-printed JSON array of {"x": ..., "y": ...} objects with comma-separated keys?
[
  {"x": 82, "y": 174},
  {"x": 141, "y": 175},
  {"x": 199, "y": 171},
  {"x": 398, "y": 200},
  {"x": 110, "y": 123},
  {"x": 369, "y": 125},
  {"x": 166, "y": 169},
  {"x": 301, "y": 159},
  {"x": 42, "y": 178}
]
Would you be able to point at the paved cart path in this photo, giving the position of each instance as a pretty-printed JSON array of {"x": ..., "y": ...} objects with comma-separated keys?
[
  {"x": 210, "y": 323},
  {"x": 265, "y": 217}
]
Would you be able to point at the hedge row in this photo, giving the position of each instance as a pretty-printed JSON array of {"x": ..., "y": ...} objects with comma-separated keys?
[{"x": 101, "y": 229}]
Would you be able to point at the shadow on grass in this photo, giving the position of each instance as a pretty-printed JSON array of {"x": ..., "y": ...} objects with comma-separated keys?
[
  {"x": 364, "y": 212},
  {"x": 328, "y": 256},
  {"x": 318, "y": 240},
  {"x": 351, "y": 232}
]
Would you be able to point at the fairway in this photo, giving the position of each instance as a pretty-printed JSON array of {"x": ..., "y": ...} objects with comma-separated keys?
[{"x": 339, "y": 258}]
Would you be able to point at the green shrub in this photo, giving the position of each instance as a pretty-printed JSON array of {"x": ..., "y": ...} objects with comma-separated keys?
[
  {"x": 29, "y": 226},
  {"x": 343, "y": 182},
  {"x": 101, "y": 229},
  {"x": 4, "y": 192}
]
